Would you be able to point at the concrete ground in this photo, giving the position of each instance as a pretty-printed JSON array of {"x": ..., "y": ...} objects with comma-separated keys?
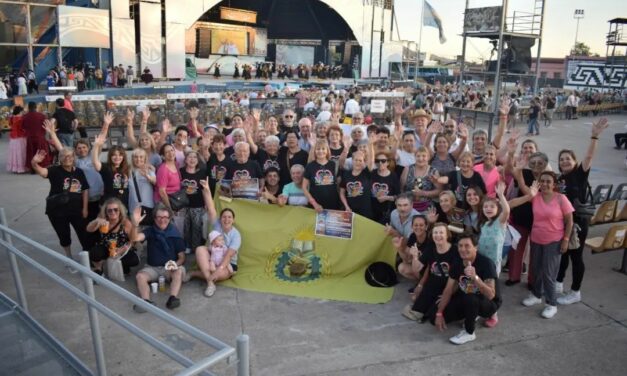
[{"x": 298, "y": 336}]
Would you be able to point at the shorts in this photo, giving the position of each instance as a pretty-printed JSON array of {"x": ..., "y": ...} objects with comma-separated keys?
[{"x": 154, "y": 272}]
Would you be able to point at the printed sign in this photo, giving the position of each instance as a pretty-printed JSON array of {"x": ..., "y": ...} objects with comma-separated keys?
[{"x": 335, "y": 223}]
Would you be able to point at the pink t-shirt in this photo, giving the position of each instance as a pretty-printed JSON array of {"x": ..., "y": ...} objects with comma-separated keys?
[
  {"x": 168, "y": 179},
  {"x": 548, "y": 218},
  {"x": 490, "y": 179}
]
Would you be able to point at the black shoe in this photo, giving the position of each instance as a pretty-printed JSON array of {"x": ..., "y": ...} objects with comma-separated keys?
[
  {"x": 524, "y": 268},
  {"x": 139, "y": 309},
  {"x": 511, "y": 283},
  {"x": 173, "y": 302}
]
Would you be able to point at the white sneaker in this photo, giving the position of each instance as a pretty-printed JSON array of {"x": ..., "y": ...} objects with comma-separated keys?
[
  {"x": 463, "y": 337},
  {"x": 210, "y": 290},
  {"x": 570, "y": 298},
  {"x": 410, "y": 314},
  {"x": 559, "y": 287},
  {"x": 549, "y": 311},
  {"x": 531, "y": 300},
  {"x": 188, "y": 251},
  {"x": 71, "y": 269}
]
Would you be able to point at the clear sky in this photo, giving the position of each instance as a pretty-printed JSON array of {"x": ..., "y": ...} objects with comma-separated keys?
[{"x": 559, "y": 30}]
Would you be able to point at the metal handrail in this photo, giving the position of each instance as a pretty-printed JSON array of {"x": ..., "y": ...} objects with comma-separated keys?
[{"x": 224, "y": 351}]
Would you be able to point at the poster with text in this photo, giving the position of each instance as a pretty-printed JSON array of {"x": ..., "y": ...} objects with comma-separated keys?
[
  {"x": 245, "y": 188},
  {"x": 335, "y": 224}
]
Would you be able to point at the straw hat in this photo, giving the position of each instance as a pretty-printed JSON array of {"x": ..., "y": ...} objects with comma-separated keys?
[{"x": 419, "y": 113}]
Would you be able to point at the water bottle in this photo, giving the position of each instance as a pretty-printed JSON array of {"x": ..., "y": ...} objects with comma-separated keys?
[{"x": 162, "y": 283}]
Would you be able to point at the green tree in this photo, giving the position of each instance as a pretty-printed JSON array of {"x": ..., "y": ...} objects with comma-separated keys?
[{"x": 581, "y": 49}]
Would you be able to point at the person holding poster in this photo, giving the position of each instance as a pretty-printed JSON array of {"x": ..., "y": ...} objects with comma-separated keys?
[
  {"x": 243, "y": 167},
  {"x": 320, "y": 182}
]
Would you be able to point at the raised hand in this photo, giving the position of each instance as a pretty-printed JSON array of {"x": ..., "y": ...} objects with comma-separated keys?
[
  {"x": 39, "y": 156},
  {"x": 512, "y": 145},
  {"x": 599, "y": 126},
  {"x": 137, "y": 215},
  {"x": 436, "y": 127},
  {"x": 504, "y": 106},
  {"x": 145, "y": 114},
  {"x": 100, "y": 139},
  {"x": 256, "y": 113},
  {"x": 534, "y": 189},
  {"x": 398, "y": 107},
  {"x": 462, "y": 131},
  {"x": 130, "y": 115},
  {"x": 500, "y": 188},
  {"x": 204, "y": 183},
  {"x": 50, "y": 125},
  {"x": 107, "y": 119}
]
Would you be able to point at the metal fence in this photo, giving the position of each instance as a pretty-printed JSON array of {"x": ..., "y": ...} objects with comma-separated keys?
[{"x": 239, "y": 355}]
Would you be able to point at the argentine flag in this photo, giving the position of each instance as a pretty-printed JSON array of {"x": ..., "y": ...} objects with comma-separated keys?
[{"x": 431, "y": 18}]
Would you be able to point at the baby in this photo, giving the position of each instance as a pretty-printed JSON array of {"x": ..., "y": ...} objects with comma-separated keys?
[{"x": 217, "y": 250}]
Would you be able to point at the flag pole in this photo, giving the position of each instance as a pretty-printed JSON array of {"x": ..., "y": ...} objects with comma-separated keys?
[{"x": 422, "y": 20}]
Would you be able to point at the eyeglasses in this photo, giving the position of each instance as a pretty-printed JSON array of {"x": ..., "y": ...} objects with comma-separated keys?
[
  {"x": 380, "y": 160},
  {"x": 113, "y": 210},
  {"x": 536, "y": 162},
  {"x": 288, "y": 116},
  {"x": 162, "y": 217}
]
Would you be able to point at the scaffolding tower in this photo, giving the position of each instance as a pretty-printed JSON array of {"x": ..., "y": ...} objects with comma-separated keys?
[
  {"x": 616, "y": 37},
  {"x": 520, "y": 26}
]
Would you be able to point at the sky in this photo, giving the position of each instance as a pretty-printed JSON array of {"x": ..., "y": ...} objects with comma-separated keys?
[{"x": 559, "y": 30}]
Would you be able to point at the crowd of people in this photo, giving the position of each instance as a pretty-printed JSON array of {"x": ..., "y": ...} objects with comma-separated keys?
[
  {"x": 460, "y": 208},
  {"x": 267, "y": 70}
]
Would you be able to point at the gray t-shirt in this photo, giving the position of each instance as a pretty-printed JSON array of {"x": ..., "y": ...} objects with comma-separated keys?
[
  {"x": 96, "y": 186},
  {"x": 146, "y": 190}
]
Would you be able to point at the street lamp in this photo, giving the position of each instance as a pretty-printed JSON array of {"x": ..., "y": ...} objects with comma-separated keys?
[{"x": 578, "y": 15}]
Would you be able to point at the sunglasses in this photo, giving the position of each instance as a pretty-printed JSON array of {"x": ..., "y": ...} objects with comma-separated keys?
[
  {"x": 113, "y": 210},
  {"x": 162, "y": 217},
  {"x": 380, "y": 160},
  {"x": 536, "y": 163},
  {"x": 288, "y": 116}
]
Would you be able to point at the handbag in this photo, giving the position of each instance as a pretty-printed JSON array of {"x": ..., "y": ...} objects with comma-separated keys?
[
  {"x": 58, "y": 200},
  {"x": 115, "y": 272},
  {"x": 178, "y": 199},
  {"x": 573, "y": 240},
  {"x": 586, "y": 208}
]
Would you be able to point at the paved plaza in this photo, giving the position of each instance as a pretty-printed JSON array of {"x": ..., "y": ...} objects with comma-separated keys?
[{"x": 298, "y": 336}]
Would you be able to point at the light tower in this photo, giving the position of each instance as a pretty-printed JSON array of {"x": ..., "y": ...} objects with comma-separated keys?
[{"x": 579, "y": 13}]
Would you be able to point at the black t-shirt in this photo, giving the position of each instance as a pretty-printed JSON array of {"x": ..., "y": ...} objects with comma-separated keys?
[
  {"x": 425, "y": 246},
  {"x": 484, "y": 268},
  {"x": 64, "y": 118},
  {"x": 439, "y": 266},
  {"x": 574, "y": 184},
  {"x": 358, "y": 193},
  {"x": 385, "y": 186},
  {"x": 190, "y": 182},
  {"x": 115, "y": 184},
  {"x": 523, "y": 214},
  {"x": 266, "y": 160},
  {"x": 460, "y": 192},
  {"x": 216, "y": 170},
  {"x": 73, "y": 182},
  {"x": 323, "y": 184},
  {"x": 248, "y": 170},
  {"x": 230, "y": 153},
  {"x": 286, "y": 163},
  {"x": 335, "y": 154}
]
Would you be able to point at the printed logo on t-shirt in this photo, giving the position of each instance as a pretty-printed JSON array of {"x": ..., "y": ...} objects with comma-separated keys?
[
  {"x": 435, "y": 270},
  {"x": 354, "y": 189},
  {"x": 218, "y": 172},
  {"x": 270, "y": 163},
  {"x": 120, "y": 181},
  {"x": 324, "y": 177},
  {"x": 233, "y": 158},
  {"x": 72, "y": 185},
  {"x": 380, "y": 189},
  {"x": 468, "y": 285},
  {"x": 241, "y": 174},
  {"x": 191, "y": 186},
  {"x": 561, "y": 185}
]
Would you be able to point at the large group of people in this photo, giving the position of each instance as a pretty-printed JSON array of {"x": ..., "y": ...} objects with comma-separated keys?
[{"x": 460, "y": 208}]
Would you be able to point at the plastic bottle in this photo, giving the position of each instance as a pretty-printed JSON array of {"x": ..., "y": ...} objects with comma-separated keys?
[{"x": 162, "y": 283}]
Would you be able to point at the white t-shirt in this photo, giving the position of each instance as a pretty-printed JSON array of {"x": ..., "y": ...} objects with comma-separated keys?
[{"x": 351, "y": 107}]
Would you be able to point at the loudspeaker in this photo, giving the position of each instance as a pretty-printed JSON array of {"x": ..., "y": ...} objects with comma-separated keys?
[{"x": 203, "y": 42}]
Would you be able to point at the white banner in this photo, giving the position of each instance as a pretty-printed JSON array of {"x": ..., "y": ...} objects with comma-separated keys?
[
  {"x": 380, "y": 94},
  {"x": 193, "y": 95},
  {"x": 377, "y": 106},
  {"x": 78, "y": 98},
  {"x": 138, "y": 102}
]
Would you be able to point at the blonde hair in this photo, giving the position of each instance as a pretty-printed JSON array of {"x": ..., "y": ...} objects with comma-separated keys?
[
  {"x": 450, "y": 195},
  {"x": 121, "y": 208},
  {"x": 323, "y": 143}
]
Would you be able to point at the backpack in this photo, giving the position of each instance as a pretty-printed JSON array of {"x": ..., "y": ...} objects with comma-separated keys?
[{"x": 513, "y": 110}]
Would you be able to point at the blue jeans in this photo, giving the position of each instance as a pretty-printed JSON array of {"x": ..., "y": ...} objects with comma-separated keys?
[
  {"x": 533, "y": 124},
  {"x": 67, "y": 139}
]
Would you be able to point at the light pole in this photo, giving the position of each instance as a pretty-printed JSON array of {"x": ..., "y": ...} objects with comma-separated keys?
[{"x": 578, "y": 15}]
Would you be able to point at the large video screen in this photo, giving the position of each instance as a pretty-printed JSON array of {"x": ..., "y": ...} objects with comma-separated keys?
[
  {"x": 294, "y": 55},
  {"x": 229, "y": 42},
  {"x": 83, "y": 27}
]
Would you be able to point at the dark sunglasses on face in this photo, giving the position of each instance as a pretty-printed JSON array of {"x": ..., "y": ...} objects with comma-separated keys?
[
  {"x": 380, "y": 160},
  {"x": 288, "y": 116},
  {"x": 113, "y": 210}
]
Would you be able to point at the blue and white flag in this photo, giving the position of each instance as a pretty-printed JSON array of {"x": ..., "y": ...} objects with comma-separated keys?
[{"x": 432, "y": 18}]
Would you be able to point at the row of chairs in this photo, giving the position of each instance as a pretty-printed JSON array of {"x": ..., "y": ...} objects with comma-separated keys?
[{"x": 609, "y": 204}]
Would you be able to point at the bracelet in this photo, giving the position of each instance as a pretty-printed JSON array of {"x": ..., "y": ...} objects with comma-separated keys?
[
  {"x": 594, "y": 138},
  {"x": 439, "y": 314},
  {"x": 419, "y": 285}
]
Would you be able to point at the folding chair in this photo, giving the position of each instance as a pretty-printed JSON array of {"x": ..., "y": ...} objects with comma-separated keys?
[
  {"x": 615, "y": 238},
  {"x": 602, "y": 193},
  {"x": 604, "y": 213}
]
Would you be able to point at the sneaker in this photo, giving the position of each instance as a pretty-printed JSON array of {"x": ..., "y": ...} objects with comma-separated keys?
[
  {"x": 492, "y": 321},
  {"x": 173, "y": 302},
  {"x": 188, "y": 251},
  {"x": 410, "y": 314},
  {"x": 549, "y": 311},
  {"x": 71, "y": 269},
  {"x": 531, "y": 300},
  {"x": 463, "y": 337},
  {"x": 139, "y": 309},
  {"x": 210, "y": 290},
  {"x": 570, "y": 298},
  {"x": 559, "y": 287}
]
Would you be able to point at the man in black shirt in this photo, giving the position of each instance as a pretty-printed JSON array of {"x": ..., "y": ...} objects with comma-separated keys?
[
  {"x": 243, "y": 167},
  {"x": 471, "y": 291},
  {"x": 66, "y": 123}
]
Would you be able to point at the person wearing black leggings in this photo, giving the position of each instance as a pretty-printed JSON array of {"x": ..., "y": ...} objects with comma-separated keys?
[{"x": 573, "y": 182}]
